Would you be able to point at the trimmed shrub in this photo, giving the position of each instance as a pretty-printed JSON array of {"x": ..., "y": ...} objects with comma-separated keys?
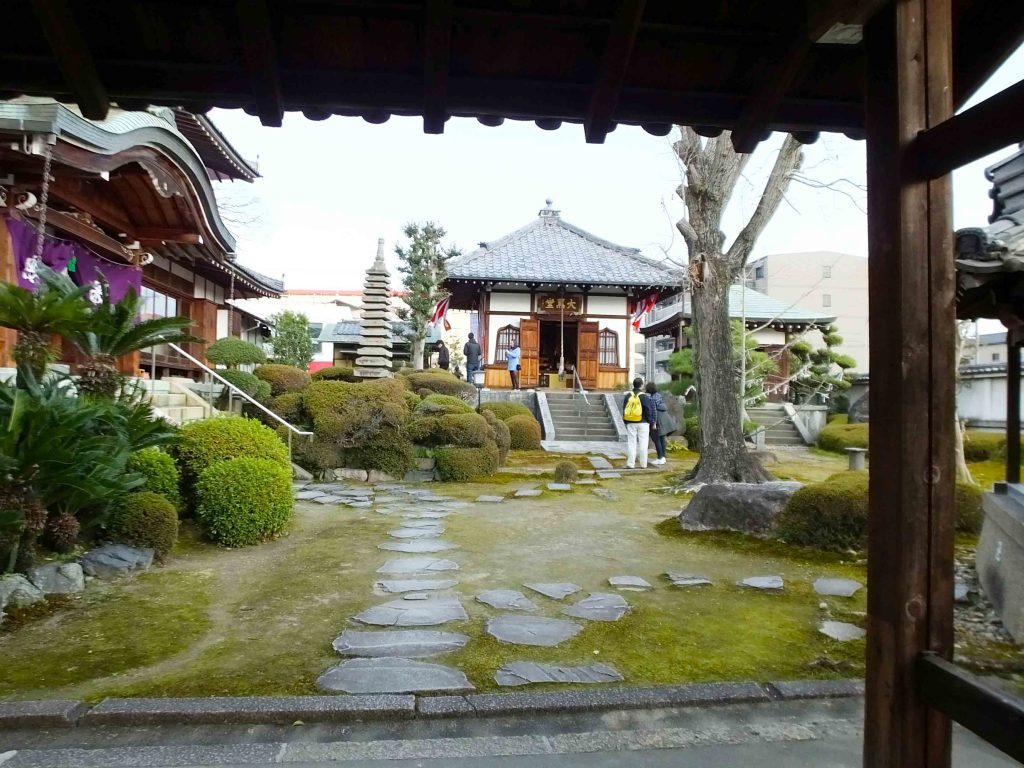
[
  {"x": 502, "y": 436},
  {"x": 289, "y": 407},
  {"x": 505, "y": 410},
  {"x": 390, "y": 451},
  {"x": 837, "y": 437},
  {"x": 247, "y": 382},
  {"x": 982, "y": 446},
  {"x": 566, "y": 472},
  {"x": 437, "y": 405},
  {"x": 460, "y": 465},
  {"x": 335, "y": 373},
  {"x": 524, "y": 432},
  {"x": 317, "y": 456},
  {"x": 145, "y": 519},
  {"x": 459, "y": 429},
  {"x": 440, "y": 382},
  {"x": 969, "y": 512},
  {"x": 232, "y": 352},
  {"x": 692, "y": 433},
  {"x": 244, "y": 501},
  {"x": 282, "y": 378},
  {"x": 160, "y": 471},
  {"x": 412, "y": 400}
]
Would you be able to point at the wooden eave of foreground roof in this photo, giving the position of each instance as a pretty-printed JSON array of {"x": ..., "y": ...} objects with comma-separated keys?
[{"x": 750, "y": 67}]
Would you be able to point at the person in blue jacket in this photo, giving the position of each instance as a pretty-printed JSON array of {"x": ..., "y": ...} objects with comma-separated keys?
[{"x": 513, "y": 357}]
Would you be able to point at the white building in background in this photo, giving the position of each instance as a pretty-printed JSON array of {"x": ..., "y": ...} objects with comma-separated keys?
[{"x": 826, "y": 282}]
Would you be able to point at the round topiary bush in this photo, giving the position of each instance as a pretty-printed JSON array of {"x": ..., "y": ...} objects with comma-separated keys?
[
  {"x": 289, "y": 407},
  {"x": 335, "y": 373},
  {"x": 282, "y": 378},
  {"x": 232, "y": 352},
  {"x": 505, "y": 410},
  {"x": 462, "y": 465},
  {"x": 441, "y": 383},
  {"x": 145, "y": 519},
  {"x": 837, "y": 437},
  {"x": 160, "y": 471},
  {"x": 566, "y": 472},
  {"x": 969, "y": 512},
  {"x": 438, "y": 405},
  {"x": 983, "y": 446},
  {"x": 247, "y": 383},
  {"x": 502, "y": 436},
  {"x": 244, "y": 501},
  {"x": 524, "y": 433}
]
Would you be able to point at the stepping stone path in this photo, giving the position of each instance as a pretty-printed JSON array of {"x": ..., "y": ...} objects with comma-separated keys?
[
  {"x": 604, "y": 493},
  {"x": 392, "y": 676},
  {"x": 306, "y": 495},
  {"x": 600, "y": 462},
  {"x": 556, "y": 590},
  {"x": 587, "y": 481},
  {"x": 687, "y": 579},
  {"x": 404, "y": 643},
  {"x": 559, "y": 487},
  {"x": 421, "y": 524},
  {"x": 532, "y": 630},
  {"x": 762, "y": 582},
  {"x": 414, "y": 613},
  {"x": 525, "y": 493},
  {"x": 427, "y": 515},
  {"x": 837, "y": 587},
  {"x": 599, "y": 606},
  {"x": 416, "y": 533},
  {"x": 396, "y": 586},
  {"x": 417, "y": 565},
  {"x": 490, "y": 499},
  {"x": 506, "y": 600},
  {"x": 629, "y": 582},
  {"x": 526, "y": 672},
  {"x": 609, "y": 475},
  {"x": 417, "y": 546},
  {"x": 961, "y": 592},
  {"x": 841, "y": 631}
]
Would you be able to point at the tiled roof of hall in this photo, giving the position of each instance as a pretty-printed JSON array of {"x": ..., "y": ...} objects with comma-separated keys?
[{"x": 550, "y": 250}]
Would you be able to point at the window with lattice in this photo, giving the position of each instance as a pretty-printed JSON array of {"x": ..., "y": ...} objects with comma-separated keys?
[
  {"x": 609, "y": 347},
  {"x": 508, "y": 337}
]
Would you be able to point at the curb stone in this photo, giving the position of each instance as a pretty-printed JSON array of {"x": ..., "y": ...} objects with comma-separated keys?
[{"x": 223, "y": 710}]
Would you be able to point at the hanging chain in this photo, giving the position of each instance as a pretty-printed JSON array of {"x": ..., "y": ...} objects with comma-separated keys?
[
  {"x": 31, "y": 271},
  {"x": 231, "y": 293}
]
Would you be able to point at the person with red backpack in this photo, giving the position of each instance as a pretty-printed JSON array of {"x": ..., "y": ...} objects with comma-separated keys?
[{"x": 640, "y": 417}]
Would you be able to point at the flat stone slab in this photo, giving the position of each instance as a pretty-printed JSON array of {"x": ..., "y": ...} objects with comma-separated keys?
[
  {"x": 604, "y": 493},
  {"x": 841, "y": 630},
  {"x": 599, "y": 462},
  {"x": 559, "y": 487},
  {"x": 397, "y": 586},
  {"x": 57, "y": 578},
  {"x": 404, "y": 643},
  {"x": 532, "y": 630},
  {"x": 526, "y": 493},
  {"x": 307, "y": 495},
  {"x": 687, "y": 579},
  {"x": 609, "y": 475},
  {"x": 418, "y": 565},
  {"x": 416, "y": 533},
  {"x": 115, "y": 560},
  {"x": 506, "y": 600},
  {"x": 386, "y": 675},
  {"x": 429, "y": 514},
  {"x": 556, "y": 590},
  {"x": 629, "y": 582},
  {"x": 762, "y": 582},
  {"x": 961, "y": 592},
  {"x": 489, "y": 499},
  {"x": 417, "y": 546},
  {"x": 414, "y": 613},
  {"x": 587, "y": 481},
  {"x": 527, "y": 672},
  {"x": 837, "y": 587},
  {"x": 599, "y": 606},
  {"x": 421, "y": 524}
]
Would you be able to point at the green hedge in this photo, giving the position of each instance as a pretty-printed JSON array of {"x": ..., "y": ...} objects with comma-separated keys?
[
  {"x": 335, "y": 373},
  {"x": 501, "y": 433},
  {"x": 837, "y": 436},
  {"x": 145, "y": 519},
  {"x": 160, "y": 471},
  {"x": 436, "y": 405},
  {"x": 983, "y": 446},
  {"x": 524, "y": 432},
  {"x": 833, "y": 514},
  {"x": 247, "y": 382},
  {"x": 461, "y": 465},
  {"x": 506, "y": 409},
  {"x": 439, "y": 382},
  {"x": 289, "y": 407},
  {"x": 459, "y": 429},
  {"x": 232, "y": 351},
  {"x": 692, "y": 433},
  {"x": 282, "y": 378},
  {"x": 244, "y": 501},
  {"x": 566, "y": 472}
]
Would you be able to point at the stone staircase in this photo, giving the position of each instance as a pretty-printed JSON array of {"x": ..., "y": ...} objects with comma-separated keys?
[
  {"x": 175, "y": 402},
  {"x": 576, "y": 420},
  {"x": 779, "y": 430}
]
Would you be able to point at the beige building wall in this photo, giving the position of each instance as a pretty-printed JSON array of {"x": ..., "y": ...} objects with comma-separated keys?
[{"x": 834, "y": 284}]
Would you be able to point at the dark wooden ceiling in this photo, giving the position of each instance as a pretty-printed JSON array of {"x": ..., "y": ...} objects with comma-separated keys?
[{"x": 749, "y": 66}]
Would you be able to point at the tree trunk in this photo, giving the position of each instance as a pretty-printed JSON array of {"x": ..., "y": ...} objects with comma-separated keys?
[
  {"x": 963, "y": 473},
  {"x": 416, "y": 350},
  {"x": 723, "y": 453}
]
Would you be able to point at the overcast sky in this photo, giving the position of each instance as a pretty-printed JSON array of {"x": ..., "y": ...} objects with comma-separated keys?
[{"x": 330, "y": 189}]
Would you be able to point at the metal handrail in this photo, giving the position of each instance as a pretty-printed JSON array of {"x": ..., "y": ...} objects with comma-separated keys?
[
  {"x": 575, "y": 381},
  {"x": 232, "y": 388}
]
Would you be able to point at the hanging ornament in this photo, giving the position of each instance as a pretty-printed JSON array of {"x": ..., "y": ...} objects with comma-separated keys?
[
  {"x": 96, "y": 293},
  {"x": 30, "y": 273},
  {"x": 72, "y": 264}
]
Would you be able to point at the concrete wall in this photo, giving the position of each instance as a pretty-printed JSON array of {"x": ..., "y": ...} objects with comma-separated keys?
[
  {"x": 1000, "y": 557},
  {"x": 983, "y": 399}
]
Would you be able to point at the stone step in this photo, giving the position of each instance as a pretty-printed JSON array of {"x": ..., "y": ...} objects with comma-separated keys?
[
  {"x": 183, "y": 414},
  {"x": 569, "y": 434},
  {"x": 168, "y": 399}
]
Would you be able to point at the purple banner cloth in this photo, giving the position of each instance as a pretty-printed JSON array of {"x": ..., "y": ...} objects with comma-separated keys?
[{"x": 57, "y": 254}]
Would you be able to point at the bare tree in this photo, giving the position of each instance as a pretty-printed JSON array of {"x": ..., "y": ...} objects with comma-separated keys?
[
  {"x": 964, "y": 328},
  {"x": 712, "y": 169}
]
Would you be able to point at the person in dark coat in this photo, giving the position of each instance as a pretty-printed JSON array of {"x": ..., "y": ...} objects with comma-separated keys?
[
  {"x": 472, "y": 352},
  {"x": 659, "y": 436},
  {"x": 443, "y": 357}
]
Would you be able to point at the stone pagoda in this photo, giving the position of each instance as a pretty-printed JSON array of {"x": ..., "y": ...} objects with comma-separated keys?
[{"x": 374, "y": 355}]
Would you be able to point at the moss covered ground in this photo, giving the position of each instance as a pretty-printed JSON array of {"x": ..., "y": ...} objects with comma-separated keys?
[{"x": 260, "y": 620}]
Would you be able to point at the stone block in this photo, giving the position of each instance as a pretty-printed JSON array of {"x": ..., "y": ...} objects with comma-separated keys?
[
  {"x": 58, "y": 578},
  {"x": 1000, "y": 559},
  {"x": 54, "y": 713},
  {"x": 376, "y": 476},
  {"x": 112, "y": 560},
  {"x": 18, "y": 592},
  {"x": 347, "y": 473},
  {"x": 751, "y": 508}
]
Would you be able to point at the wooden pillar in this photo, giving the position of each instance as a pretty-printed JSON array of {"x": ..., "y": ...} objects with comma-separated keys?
[
  {"x": 8, "y": 274},
  {"x": 911, "y": 281},
  {"x": 1013, "y": 350}
]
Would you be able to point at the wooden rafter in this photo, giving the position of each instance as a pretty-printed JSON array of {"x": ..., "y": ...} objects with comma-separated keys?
[
  {"x": 101, "y": 207},
  {"x": 73, "y": 57},
  {"x": 254, "y": 23},
  {"x": 167, "y": 235},
  {"x": 437, "y": 51},
  {"x": 612, "y": 73},
  {"x": 981, "y": 46}
]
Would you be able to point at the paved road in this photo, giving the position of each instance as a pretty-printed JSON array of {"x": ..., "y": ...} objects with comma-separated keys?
[{"x": 822, "y": 734}]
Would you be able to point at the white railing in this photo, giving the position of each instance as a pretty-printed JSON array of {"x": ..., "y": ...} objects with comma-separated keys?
[
  {"x": 662, "y": 311},
  {"x": 232, "y": 389}
]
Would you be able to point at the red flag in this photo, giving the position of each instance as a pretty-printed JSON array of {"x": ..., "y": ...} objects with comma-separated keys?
[
  {"x": 440, "y": 310},
  {"x": 447, "y": 325},
  {"x": 645, "y": 305}
]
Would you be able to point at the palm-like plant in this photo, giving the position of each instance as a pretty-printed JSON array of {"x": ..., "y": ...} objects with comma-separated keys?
[
  {"x": 113, "y": 330},
  {"x": 57, "y": 307}
]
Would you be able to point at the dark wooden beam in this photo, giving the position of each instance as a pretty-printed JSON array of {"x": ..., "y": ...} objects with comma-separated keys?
[
  {"x": 1014, "y": 340},
  {"x": 73, "y": 56},
  {"x": 89, "y": 200},
  {"x": 614, "y": 65},
  {"x": 437, "y": 52},
  {"x": 822, "y": 15},
  {"x": 69, "y": 225},
  {"x": 911, "y": 302},
  {"x": 256, "y": 28},
  {"x": 167, "y": 235},
  {"x": 987, "y": 127},
  {"x": 981, "y": 43}
]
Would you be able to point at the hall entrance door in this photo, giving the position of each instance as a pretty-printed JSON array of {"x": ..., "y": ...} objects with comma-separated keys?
[
  {"x": 529, "y": 346},
  {"x": 587, "y": 350}
]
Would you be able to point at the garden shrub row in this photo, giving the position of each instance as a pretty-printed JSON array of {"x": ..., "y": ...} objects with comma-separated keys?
[
  {"x": 282, "y": 379},
  {"x": 335, "y": 373},
  {"x": 439, "y": 382},
  {"x": 506, "y": 409},
  {"x": 837, "y": 436}
]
